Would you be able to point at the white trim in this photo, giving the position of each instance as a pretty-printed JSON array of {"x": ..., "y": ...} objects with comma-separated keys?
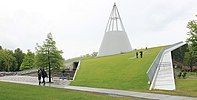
[
  {"x": 172, "y": 72},
  {"x": 76, "y": 71}
]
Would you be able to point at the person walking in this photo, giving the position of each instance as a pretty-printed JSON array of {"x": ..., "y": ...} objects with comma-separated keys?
[
  {"x": 39, "y": 75},
  {"x": 136, "y": 54},
  {"x": 44, "y": 74},
  {"x": 141, "y": 54}
]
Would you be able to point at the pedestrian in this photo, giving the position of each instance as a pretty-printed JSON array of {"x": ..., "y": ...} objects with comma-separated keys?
[
  {"x": 39, "y": 75},
  {"x": 44, "y": 74},
  {"x": 141, "y": 54},
  {"x": 136, "y": 54}
]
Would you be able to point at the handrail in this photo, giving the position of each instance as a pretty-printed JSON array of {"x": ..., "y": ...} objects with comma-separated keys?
[{"x": 152, "y": 69}]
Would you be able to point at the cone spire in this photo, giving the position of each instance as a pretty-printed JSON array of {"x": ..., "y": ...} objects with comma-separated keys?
[
  {"x": 115, "y": 40},
  {"x": 114, "y": 22}
]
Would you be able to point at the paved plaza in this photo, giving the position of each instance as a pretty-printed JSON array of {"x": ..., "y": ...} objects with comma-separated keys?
[{"x": 34, "y": 81}]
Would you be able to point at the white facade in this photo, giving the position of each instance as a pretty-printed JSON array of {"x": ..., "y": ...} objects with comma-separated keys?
[
  {"x": 115, "y": 39},
  {"x": 114, "y": 43}
]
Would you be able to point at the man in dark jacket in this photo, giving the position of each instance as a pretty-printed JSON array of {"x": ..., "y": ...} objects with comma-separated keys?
[
  {"x": 44, "y": 74},
  {"x": 39, "y": 75},
  {"x": 141, "y": 54},
  {"x": 136, "y": 54}
]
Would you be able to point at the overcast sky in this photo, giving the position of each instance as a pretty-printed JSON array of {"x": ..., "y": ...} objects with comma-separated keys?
[{"x": 78, "y": 25}]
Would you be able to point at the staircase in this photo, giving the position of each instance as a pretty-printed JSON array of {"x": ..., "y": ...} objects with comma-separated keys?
[
  {"x": 165, "y": 77},
  {"x": 164, "y": 74}
]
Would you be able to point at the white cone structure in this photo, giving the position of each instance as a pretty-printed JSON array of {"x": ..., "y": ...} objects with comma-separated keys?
[{"x": 115, "y": 39}]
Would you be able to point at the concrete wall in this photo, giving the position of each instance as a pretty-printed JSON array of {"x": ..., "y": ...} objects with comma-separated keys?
[{"x": 114, "y": 42}]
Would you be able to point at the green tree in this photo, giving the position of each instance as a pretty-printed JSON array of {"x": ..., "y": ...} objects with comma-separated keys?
[
  {"x": 7, "y": 60},
  {"x": 28, "y": 61},
  {"x": 179, "y": 54},
  {"x": 19, "y": 55},
  {"x": 48, "y": 55},
  {"x": 192, "y": 41},
  {"x": 1, "y": 60}
]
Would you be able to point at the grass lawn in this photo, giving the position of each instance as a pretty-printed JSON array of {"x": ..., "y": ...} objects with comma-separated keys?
[
  {"x": 12, "y": 91},
  {"x": 122, "y": 71},
  {"x": 186, "y": 87}
]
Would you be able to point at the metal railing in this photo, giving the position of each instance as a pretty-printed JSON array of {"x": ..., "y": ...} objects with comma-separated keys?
[{"x": 151, "y": 71}]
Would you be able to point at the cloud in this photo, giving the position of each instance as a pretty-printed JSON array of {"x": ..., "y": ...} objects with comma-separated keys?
[{"x": 78, "y": 26}]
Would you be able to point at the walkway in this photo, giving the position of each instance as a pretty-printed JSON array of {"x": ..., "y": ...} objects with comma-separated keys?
[
  {"x": 165, "y": 77},
  {"x": 33, "y": 81}
]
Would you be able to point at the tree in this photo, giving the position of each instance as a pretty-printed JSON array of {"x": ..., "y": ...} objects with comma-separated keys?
[
  {"x": 48, "y": 55},
  {"x": 1, "y": 60},
  {"x": 7, "y": 60},
  {"x": 1, "y": 48},
  {"x": 19, "y": 55},
  {"x": 28, "y": 61},
  {"x": 178, "y": 54},
  {"x": 192, "y": 41}
]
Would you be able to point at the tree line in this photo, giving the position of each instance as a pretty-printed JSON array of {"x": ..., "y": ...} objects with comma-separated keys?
[
  {"x": 45, "y": 55},
  {"x": 11, "y": 60}
]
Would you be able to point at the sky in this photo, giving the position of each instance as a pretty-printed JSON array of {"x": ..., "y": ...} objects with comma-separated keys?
[{"x": 78, "y": 26}]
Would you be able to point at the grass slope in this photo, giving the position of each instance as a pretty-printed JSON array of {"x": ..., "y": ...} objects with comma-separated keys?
[
  {"x": 122, "y": 71},
  {"x": 11, "y": 91}
]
